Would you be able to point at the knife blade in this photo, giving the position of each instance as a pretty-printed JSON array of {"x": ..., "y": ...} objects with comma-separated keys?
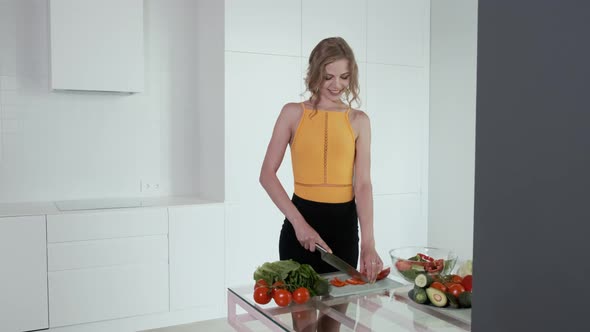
[{"x": 340, "y": 264}]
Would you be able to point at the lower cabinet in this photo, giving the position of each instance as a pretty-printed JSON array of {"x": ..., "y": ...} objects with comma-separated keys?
[
  {"x": 90, "y": 295},
  {"x": 107, "y": 265},
  {"x": 83, "y": 267},
  {"x": 197, "y": 251},
  {"x": 23, "y": 280}
]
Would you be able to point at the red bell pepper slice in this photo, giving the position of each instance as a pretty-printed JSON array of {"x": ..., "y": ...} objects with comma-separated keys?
[
  {"x": 426, "y": 257},
  {"x": 337, "y": 282}
]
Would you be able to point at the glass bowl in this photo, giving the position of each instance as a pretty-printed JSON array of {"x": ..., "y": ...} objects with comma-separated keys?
[{"x": 408, "y": 262}]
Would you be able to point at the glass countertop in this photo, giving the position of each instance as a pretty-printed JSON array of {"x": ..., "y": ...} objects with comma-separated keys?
[{"x": 387, "y": 309}]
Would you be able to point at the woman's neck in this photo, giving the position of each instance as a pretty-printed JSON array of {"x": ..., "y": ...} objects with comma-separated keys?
[{"x": 329, "y": 105}]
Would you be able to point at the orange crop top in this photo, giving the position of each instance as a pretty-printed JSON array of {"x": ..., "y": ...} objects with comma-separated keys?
[{"x": 322, "y": 155}]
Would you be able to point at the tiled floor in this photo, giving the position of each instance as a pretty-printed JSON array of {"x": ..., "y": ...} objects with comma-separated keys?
[{"x": 214, "y": 325}]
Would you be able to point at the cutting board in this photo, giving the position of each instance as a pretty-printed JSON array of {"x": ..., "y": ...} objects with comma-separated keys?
[
  {"x": 359, "y": 289},
  {"x": 463, "y": 315}
]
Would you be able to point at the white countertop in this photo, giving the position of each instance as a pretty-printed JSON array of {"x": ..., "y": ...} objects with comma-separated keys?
[{"x": 71, "y": 206}]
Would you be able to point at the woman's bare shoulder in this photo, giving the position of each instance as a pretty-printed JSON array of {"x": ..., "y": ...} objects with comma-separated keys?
[
  {"x": 292, "y": 106},
  {"x": 358, "y": 115},
  {"x": 291, "y": 110}
]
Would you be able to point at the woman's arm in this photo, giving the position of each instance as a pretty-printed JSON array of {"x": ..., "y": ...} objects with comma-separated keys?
[
  {"x": 275, "y": 152},
  {"x": 370, "y": 261}
]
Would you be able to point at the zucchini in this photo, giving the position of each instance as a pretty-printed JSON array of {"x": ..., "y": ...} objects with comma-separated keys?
[
  {"x": 453, "y": 300},
  {"x": 423, "y": 280},
  {"x": 420, "y": 295},
  {"x": 436, "y": 297},
  {"x": 465, "y": 299}
]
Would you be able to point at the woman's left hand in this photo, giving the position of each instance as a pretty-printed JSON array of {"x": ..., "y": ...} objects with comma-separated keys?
[{"x": 371, "y": 263}]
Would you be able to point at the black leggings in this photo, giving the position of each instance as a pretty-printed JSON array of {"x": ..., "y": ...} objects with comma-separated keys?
[{"x": 336, "y": 223}]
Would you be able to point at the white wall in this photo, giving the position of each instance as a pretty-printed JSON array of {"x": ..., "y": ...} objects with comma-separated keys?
[
  {"x": 210, "y": 99},
  {"x": 453, "y": 52},
  {"x": 60, "y": 145},
  {"x": 266, "y": 50}
]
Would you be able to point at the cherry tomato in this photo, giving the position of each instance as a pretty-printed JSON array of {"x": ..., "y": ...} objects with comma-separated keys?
[
  {"x": 467, "y": 282},
  {"x": 438, "y": 285},
  {"x": 276, "y": 286},
  {"x": 384, "y": 273},
  {"x": 456, "y": 289},
  {"x": 456, "y": 279},
  {"x": 301, "y": 295},
  {"x": 449, "y": 284},
  {"x": 262, "y": 295},
  {"x": 282, "y": 297},
  {"x": 260, "y": 283}
]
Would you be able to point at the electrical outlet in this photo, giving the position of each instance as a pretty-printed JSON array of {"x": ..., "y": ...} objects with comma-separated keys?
[{"x": 148, "y": 187}]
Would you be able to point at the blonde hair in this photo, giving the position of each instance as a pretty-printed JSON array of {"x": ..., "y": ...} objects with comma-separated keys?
[{"x": 327, "y": 51}]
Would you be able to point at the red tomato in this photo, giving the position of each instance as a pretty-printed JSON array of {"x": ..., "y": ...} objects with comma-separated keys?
[
  {"x": 438, "y": 285},
  {"x": 456, "y": 279},
  {"x": 301, "y": 295},
  {"x": 262, "y": 295},
  {"x": 276, "y": 286},
  {"x": 467, "y": 282},
  {"x": 456, "y": 289},
  {"x": 449, "y": 284},
  {"x": 282, "y": 297},
  {"x": 384, "y": 273},
  {"x": 260, "y": 283}
]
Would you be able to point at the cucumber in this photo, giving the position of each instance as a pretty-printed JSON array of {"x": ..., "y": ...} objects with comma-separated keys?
[
  {"x": 423, "y": 280},
  {"x": 465, "y": 299},
  {"x": 411, "y": 294},
  {"x": 436, "y": 297},
  {"x": 420, "y": 295}
]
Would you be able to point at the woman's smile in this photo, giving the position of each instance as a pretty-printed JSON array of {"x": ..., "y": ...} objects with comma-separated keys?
[{"x": 336, "y": 80}]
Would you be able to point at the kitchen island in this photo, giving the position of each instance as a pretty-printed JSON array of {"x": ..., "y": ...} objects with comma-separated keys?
[{"x": 383, "y": 310}]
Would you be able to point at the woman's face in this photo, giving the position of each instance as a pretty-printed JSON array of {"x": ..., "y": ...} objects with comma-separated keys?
[{"x": 335, "y": 81}]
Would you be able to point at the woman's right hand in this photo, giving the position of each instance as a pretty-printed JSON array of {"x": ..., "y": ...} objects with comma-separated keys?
[{"x": 308, "y": 237}]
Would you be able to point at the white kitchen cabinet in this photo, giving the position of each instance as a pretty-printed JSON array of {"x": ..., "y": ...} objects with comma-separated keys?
[
  {"x": 97, "y": 45},
  {"x": 23, "y": 280},
  {"x": 197, "y": 251},
  {"x": 88, "y": 295},
  {"x": 107, "y": 265},
  {"x": 109, "y": 224}
]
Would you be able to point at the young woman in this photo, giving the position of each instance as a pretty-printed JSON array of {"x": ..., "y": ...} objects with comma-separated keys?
[{"x": 330, "y": 151}]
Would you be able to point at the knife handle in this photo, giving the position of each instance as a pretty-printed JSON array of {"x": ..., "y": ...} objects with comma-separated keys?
[{"x": 320, "y": 248}]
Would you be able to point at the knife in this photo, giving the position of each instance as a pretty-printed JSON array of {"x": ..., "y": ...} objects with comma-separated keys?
[{"x": 340, "y": 264}]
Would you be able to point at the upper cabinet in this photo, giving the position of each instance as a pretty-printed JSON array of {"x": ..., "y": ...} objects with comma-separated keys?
[{"x": 97, "y": 45}]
